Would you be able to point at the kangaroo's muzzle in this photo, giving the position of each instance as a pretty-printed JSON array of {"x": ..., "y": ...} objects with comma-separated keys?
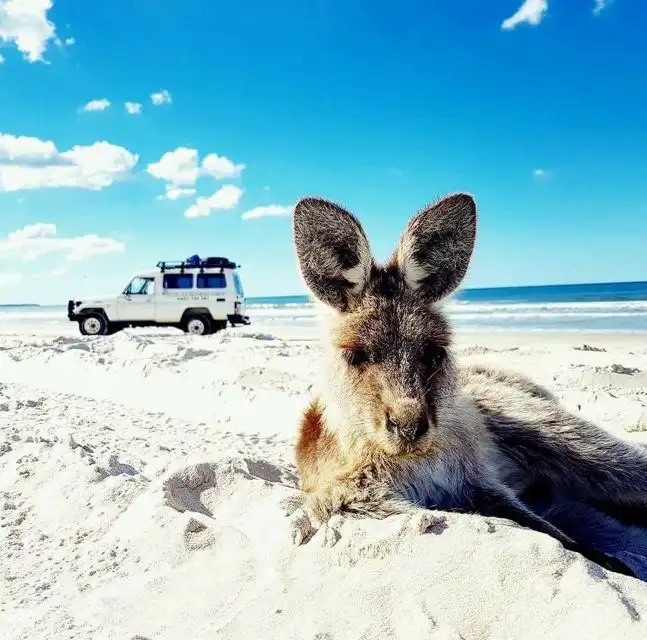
[{"x": 407, "y": 420}]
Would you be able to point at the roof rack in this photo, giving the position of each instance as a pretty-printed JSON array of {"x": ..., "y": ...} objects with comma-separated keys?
[{"x": 207, "y": 263}]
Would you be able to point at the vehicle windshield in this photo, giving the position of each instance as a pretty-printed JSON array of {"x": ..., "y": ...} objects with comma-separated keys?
[{"x": 139, "y": 286}]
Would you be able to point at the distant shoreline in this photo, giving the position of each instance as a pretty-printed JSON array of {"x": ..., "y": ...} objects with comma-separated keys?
[
  {"x": 21, "y": 306},
  {"x": 547, "y": 293}
]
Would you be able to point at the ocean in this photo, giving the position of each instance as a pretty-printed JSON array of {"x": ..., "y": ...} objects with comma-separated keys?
[{"x": 616, "y": 307}]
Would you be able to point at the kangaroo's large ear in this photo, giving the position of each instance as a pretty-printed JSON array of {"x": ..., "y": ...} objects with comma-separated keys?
[
  {"x": 435, "y": 249},
  {"x": 333, "y": 253}
]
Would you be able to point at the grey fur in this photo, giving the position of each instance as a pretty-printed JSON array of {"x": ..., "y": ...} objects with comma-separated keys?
[
  {"x": 497, "y": 444},
  {"x": 434, "y": 251},
  {"x": 333, "y": 250}
]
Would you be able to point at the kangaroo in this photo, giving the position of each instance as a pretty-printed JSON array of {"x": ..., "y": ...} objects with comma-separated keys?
[{"x": 398, "y": 424}]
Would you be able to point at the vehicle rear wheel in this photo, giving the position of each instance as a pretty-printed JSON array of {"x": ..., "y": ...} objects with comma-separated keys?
[
  {"x": 93, "y": 324},
  {"x": 197, "y": 325}
]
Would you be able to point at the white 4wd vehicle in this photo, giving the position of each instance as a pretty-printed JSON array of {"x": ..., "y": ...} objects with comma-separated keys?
[{"x": 198, "y": 296}]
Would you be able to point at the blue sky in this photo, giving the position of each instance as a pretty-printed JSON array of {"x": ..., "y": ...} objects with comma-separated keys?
[{"x": 537, "y": 108}]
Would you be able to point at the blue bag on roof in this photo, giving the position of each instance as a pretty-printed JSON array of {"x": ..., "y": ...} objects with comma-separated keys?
[{"x": 193, "y": 260}]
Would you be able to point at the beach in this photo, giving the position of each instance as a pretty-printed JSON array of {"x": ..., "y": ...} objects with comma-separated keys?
[
  {"x": 148, "y": 490},
  {"x": 186, "y": 186}
]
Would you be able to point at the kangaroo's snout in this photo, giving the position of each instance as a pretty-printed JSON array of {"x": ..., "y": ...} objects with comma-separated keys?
[{"x": 407, "y": 419}]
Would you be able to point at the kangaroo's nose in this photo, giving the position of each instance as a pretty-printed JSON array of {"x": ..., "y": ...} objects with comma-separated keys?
[{"x": 408, "y": 420}]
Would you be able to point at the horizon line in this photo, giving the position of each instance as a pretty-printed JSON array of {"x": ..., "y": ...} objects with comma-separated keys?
[
  {"x": 491, "y": 288},
  {"x": 301, "y": 295}
]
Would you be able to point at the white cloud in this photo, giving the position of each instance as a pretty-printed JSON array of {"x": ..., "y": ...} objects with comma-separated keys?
[
  {"x": 175, "y": 193},
  {"x": 30, "y": 163},
  {"x": 599, "y": 6},
  {"x": 161, "y": 97},
  {"x": 8, "y": 279},
  {"x": 226, "y": 197},
  {"x": 181, "y": 167},
  {"x": 531, "y": 11},
  {"x": 176, "y": 167},
  {"x": 26, "y": 148},
  {"x": 219, "y": 167},
  {"x": 25, "y": 24},
  {"x": 36, "y": 240},
  {"x": 133, "y": 108},
  {"x": 538, "y": 174},
  {"x": 266, "y": 188},
  {"x": 68, "y": 42},
  {"x": 1, "y": 59},
  {"x": 97, "y": 105},
  {"x": 268, "y": 210}
]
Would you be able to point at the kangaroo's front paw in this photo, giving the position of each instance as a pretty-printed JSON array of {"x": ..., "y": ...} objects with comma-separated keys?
[
  {"x": 301, "y": 527},
  {"x": 332, "y": 530},
  {"x": 318, "y": 511}
]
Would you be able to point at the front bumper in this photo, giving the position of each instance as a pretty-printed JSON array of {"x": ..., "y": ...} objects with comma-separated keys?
[{"x": 70, "y": 311}]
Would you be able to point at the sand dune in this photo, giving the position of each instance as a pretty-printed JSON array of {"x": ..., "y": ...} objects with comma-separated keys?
[{"x": 147, "y": 489}]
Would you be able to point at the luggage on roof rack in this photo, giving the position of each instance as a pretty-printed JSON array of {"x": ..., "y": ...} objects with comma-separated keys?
[
  {"x": 218, "y": 262},
  {"x": 194, "y": 262}
]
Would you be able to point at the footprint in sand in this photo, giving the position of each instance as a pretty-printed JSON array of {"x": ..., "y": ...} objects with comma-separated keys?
[
  {"x": 112, "y": 466},
  {"x": 265, "y": 378},
  {"x": 198, "y": 535},
  {"x": 200, "y": 487},
  {"x": 232, "y": 485}
]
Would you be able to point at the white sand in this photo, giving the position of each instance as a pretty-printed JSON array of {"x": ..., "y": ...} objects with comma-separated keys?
[{"x": 146, "y": 482}]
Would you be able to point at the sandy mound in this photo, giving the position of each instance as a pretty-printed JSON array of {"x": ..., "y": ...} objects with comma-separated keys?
[
  {"x": 205, "y": 552},
  {"x": 147, "y": 490}
]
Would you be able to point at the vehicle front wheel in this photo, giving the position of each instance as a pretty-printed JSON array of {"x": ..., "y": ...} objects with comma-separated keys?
[
  {"x": 93, "y": 325},
  {"x": 196, "y": 325}
]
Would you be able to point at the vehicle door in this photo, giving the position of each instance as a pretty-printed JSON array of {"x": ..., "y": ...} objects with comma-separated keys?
[
  {"x": 212, "y": 287},
  {"x": 175, "y": 295},
  {"x": 137, "y": 302}
]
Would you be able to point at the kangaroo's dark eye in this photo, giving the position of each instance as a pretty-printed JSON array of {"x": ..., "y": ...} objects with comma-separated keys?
[
  {"x": 355, "y": 357},
  {"x": 433, "y": 356}
]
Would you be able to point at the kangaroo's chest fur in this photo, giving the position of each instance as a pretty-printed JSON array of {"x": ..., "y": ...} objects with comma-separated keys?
[{"x": 468, "y": 453}]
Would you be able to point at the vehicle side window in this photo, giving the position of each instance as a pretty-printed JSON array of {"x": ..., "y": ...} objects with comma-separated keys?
[
  {"x": 211, "y": 281},
  {"x": 178, "y": 281}
]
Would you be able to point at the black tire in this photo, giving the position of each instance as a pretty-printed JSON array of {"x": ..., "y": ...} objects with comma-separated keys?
[
  {"x": 219, "y": 325},
  {"x": 93, "y": 324},
  {"x": 193, "y": 322}
]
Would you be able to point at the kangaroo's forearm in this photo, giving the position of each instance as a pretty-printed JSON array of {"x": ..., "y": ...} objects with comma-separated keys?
[
  {"x": 493, "y": 502},
  {"x": 490, "y": 501}
]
